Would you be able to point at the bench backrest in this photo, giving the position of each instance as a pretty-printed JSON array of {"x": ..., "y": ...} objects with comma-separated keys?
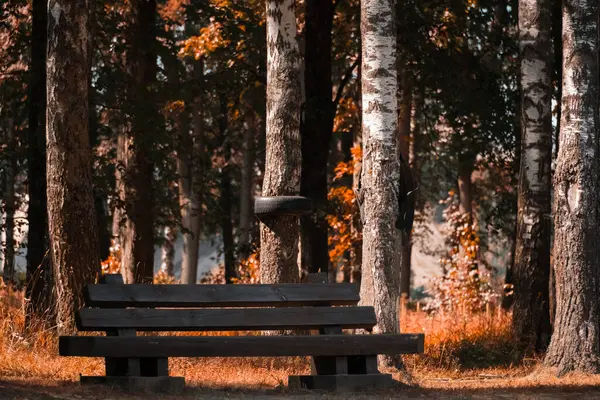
[{"x": 113, "y": 305}]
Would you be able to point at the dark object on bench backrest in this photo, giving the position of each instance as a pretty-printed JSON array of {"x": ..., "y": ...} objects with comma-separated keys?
[{"x": 283, "y": 295}]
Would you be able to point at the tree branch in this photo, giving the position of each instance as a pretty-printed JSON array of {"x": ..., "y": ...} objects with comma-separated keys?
[{"x": 345, "y": 80}]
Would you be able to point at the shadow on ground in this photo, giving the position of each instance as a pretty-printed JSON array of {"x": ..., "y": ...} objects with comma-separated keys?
[{"x": 30, "y": 390}]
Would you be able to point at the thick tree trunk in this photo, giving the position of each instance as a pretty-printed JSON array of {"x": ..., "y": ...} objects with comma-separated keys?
[
  {"x": 575, "y": 344},
  {"x": 9, "y": 205},
  {"x": 317, "y": 129},
  {"x": 71, "y": 215},
  {"x": 279, "y": 235},
  {"x": 137, "y": 241},
  {"x": 189, "y": 193},
  {"x": 531, "y": 319},
  {"x": 168, "y": 251},
  {"x": 380, "y": 169},
  {"x": 404, "y": 145},
  {"x": 39, "y": 270},
  {"x": 226, "y": 196},
  {"x": 247, "y": 185}
]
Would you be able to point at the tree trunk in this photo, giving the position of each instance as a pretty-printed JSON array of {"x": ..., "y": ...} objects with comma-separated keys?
[
  {"x": 404, "y": 144},
  {"x": 226, "y": 195},
  {"x": 317, "y": 130},
  {"x": 557, "y": 68},
  {"x": 531, "y": 319},
  {"x": 189, "y": 193},
  {"x": 279, "y": 235},
  {"x": 168, "y": 251},
  {"x": 575, "y": 341},
  {"x": 380, "y": 169},
  {"x": 72, "y": 219},
  {"x": 247, "y": 185},
  {"x": 39, "y": 269},
  {"x": 137, "y": 241},
  {"x": 465, "y": 186},
  {"x": 9, "y": 205}
]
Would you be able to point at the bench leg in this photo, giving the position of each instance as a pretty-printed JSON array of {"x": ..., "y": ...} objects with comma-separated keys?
[{"x": 154, "y": 366}]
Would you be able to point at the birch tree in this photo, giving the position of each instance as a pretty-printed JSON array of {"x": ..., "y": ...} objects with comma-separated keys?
[
  {"x": 279, "y": 235},
  {"x": 575, "y": 343},
  {"x": 531, "y": 272},
  {"x": 380, "y": 168},
  {"x": 71, "y": 214}
]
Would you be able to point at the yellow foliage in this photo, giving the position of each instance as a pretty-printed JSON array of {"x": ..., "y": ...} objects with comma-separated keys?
[{"x": 209, "y": 40}]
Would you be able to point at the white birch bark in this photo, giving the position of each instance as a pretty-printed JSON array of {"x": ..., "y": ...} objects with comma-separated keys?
[
  {"x": 531, "y": 318},
  {"x": 380, "y": 168}
]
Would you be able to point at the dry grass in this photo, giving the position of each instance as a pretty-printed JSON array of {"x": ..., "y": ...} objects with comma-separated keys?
[{"x": 466, "y": 356}]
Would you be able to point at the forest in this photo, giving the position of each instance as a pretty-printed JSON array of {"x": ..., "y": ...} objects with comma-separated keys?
[{"x": 441, "y": 156}]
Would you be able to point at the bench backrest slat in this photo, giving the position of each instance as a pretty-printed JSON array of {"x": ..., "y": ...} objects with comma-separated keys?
[
  {"x": 280, "y": 295},
  {"x": 226, "y": 319}
]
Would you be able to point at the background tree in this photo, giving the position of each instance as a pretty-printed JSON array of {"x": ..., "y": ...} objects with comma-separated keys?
[
  {"x": 71, "y": 215},
  {"x": 138, "y": 231}
]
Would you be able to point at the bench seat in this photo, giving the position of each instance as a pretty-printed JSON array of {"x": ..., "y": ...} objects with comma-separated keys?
[{"x": 240, "y": 346}]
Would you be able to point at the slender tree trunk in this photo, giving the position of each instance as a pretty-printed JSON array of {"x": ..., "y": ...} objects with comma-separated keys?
[
  {"x": 9, "y": 206},
  {"x": 118, "y": 215},
  {"x": 247, "y": 185},
  {"x": 226, "y": 196},
  {"x": 137, "y": 241},
  {"x": 39, "y": 270},
  {"x": 279, "y": 235},
  {"x": 317, "y": 129},
  {"x": 531, "y": 319},
  {"x": 557, "y": 68},
  {"x": 575, "y": 342},
  {"x": 168, "y": 251},
  {"x": 380, "y": 169},
  {"x": 404, "y": 145},
  {"x": 189, "y": 192},
  {"x": 71, "y": 215},
  {"x": 465, "y": 186},
  {"x": 356, "y": 251}
]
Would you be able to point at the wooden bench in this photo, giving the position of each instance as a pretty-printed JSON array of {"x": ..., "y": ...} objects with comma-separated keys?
[{"x": 339, "y": 361}]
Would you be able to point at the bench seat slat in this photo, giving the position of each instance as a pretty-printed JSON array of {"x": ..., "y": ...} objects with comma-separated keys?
[
  {"x": 280, "y": 295},
  {"x": 240, "y": 346},
  {"x": 227, "y": 319}
]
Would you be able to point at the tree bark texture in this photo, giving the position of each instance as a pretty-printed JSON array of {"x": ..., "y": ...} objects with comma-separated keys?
[
  {"x": 137, "y": 261},
  {"x": 279, "y": 235},
  {"x": 9, "y": 205},
  {"x": 247, "y": 184},
  {"x": 71, "y": 215},
  {"x": 380, "y": 168},
  {"x": 317, "y": 131},
  {"x": 39, "y": 270},
  {"x": 575, "y": 340},
  {"x": 404, "y": 145},
  {"x": 531, "y": 318}
]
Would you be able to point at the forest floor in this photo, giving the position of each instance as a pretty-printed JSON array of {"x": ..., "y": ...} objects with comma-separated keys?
[{"x": 234, "y": 381}]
